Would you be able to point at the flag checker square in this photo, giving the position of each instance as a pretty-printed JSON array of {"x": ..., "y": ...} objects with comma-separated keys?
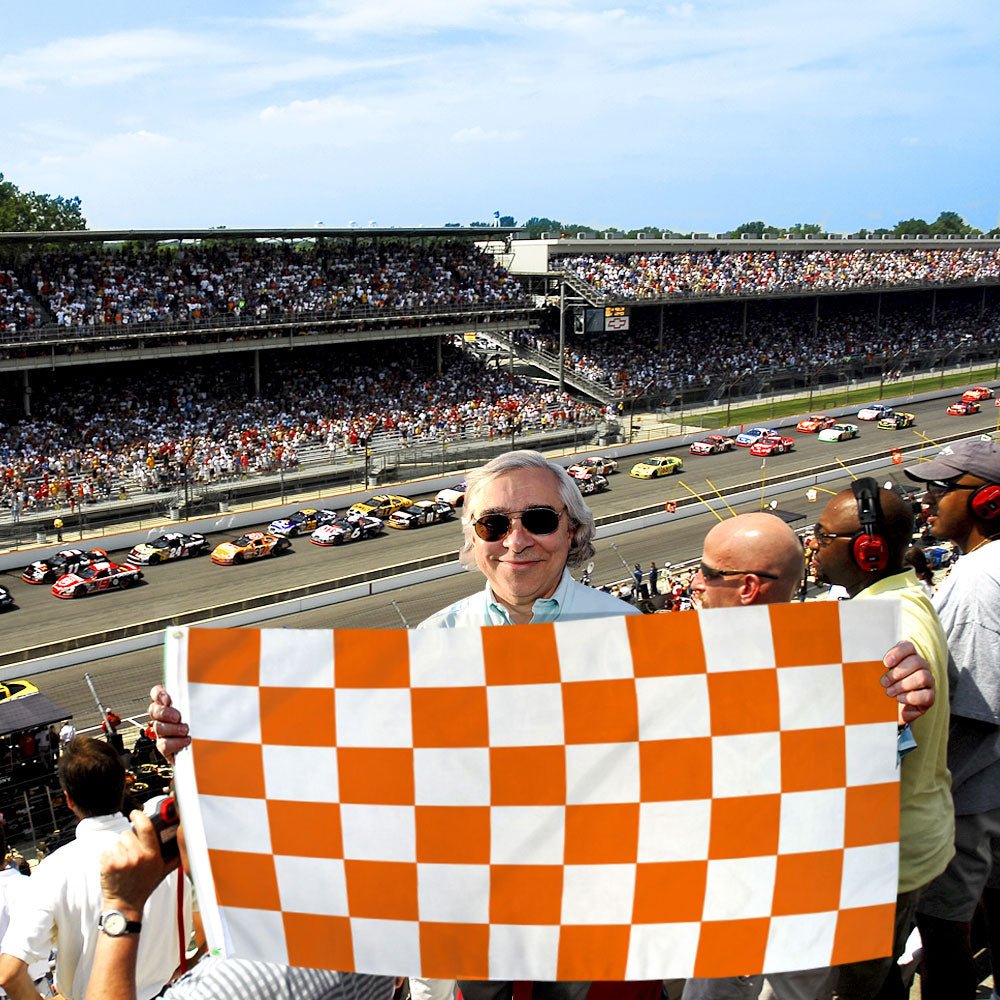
[{"x": 711, "y": 794}]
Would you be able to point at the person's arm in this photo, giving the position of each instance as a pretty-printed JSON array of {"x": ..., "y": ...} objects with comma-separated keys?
[
  {"x": 908, "y": 679},
  {"x": 130, "y": 872},
  {"x": 15, "y": 980},
  {"x": 171, "y": 731}
]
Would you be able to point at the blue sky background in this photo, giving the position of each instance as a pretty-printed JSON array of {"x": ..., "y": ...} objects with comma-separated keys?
[{"x": 692, "y": 115}]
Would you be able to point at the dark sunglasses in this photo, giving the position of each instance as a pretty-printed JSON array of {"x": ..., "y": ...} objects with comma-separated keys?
[
  {"x": 536, "y": 520},
  {"x": 711, "y": 573},
  {"x": 938, "y": 486}
]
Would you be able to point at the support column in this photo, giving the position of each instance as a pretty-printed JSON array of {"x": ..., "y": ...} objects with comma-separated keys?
[
  {"x": 256, "y": 372},
  {"x": 26, "y": 395},
  {"x": 663, "y": 309},
  {"x": 437, "y": 355},
  {"x": 934, "y": 307},
  {"x": 562, "y": 335},
  {"x": 878, "y": 312}
]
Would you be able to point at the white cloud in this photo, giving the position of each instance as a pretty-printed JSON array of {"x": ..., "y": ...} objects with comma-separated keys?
[{"x": 478, "y": 134}]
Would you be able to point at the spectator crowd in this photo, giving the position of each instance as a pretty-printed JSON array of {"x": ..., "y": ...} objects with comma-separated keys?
[
  {"x": 720, "y": 272},
  {"x": 246, "y": 281}
]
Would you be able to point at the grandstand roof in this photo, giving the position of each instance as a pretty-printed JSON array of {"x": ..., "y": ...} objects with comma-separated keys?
[{"x": 305, "y": 232}]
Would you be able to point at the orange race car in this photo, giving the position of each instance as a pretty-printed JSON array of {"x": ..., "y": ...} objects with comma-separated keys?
[{"x": 252, "y": 545}]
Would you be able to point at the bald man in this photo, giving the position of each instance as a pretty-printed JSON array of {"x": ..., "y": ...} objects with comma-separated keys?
[{"x": 758, "y": 559}]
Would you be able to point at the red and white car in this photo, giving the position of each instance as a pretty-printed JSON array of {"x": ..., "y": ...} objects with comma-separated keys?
[
  {"x": 96, "y": 577},
  {"x": 814, "y": 424},
  {"x": 772, "y": 446},
  {"x": 962, "y": 408},
  {"x": 977, "y": 394},
  {"x": 600, "y": 466},
  {"x": 714, "y": 444}
]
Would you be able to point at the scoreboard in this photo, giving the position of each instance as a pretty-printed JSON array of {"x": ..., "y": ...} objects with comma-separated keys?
[{"x": 610, "y": 319}]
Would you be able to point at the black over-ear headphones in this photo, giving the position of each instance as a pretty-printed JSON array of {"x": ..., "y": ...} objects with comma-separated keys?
[
  {"x": 985, "y": 502},
  {"x": 869, "y": 549}
]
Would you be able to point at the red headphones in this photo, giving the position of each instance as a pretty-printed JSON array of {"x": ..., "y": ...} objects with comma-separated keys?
[
  {"x": 868, "y": 548},
  {"x": 985, "y": 502}
]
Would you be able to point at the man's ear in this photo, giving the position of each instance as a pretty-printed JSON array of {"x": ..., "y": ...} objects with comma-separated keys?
[{"x": 749, "y": 590}]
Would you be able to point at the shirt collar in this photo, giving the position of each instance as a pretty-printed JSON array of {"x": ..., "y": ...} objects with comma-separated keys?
[
  {"x": 95, "y": 824},
  {"x": 545, "y": 609}
]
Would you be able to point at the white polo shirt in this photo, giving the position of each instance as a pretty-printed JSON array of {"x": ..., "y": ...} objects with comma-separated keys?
[{"x": 63, "y": 902}]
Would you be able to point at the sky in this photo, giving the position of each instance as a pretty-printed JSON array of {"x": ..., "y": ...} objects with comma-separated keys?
[{"x": 694, "y": 115}]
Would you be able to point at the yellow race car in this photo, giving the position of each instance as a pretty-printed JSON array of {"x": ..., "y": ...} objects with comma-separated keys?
[
  {"x": 252, "y": 545},
  {"x": 657, "y": 466},
  {"x": 16, "y": 689},
  {"x": 381, "y": 505}
]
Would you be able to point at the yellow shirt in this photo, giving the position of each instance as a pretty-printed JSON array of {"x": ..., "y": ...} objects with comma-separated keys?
[{"x": 927, "y": 818}]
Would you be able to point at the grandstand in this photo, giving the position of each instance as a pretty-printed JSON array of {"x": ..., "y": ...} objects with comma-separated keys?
[{"x": 168, "y": 363}]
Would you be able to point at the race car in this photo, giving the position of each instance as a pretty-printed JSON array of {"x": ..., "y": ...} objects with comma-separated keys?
[
  {"x": 252, "y": 545},
  {"x": 593, "y": 482},
  {"x": 454, "y": 496},
  {"x": 814, "y": 424},
  {"x": 96, "y": 577},
  {"x": 659, "y": 465},
  {"x": 347, "y": 529},
  {"x": 746, "y": 438},
  {"x": 772, "y": 446},
  {"x": 601, "y": 465},
  {"x": 962, "y": 408},
  {"x": 714, "y": 444},
  {"x": 63, "y": 562},
  {"x": 16, "y": 689},
  {"x": 838, "y": 432},
  {"x": 897, "y": 420},
  {"x": 301, "y": 522},
  {"x": 380, "y": 506},
  {"x": 977, "y": 394},
  {"x": 874, "y": 411},
  {"x": 172, "y": 545},
  {"x": 6, "y": 601},
  {"x": 421, "y": 513}
]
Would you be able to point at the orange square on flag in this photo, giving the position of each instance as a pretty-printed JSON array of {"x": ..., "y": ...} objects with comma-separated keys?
[
  {"x": 290, "y": 821},
  {"x": 536, "y": 660},
  {"x": 805, "y": 634},
  {"x": 319, "y": 941},
  {"x": 650, "y": 636},
  {"x": 871, "y": 815},
  {"x": 450, "y": 717},
  {"x": 527, "y": 776},
  {"x": 454, "y": 951},
  {"x": 382, "y": 890},
  {"x": 376, "y": 775},
  {"x": 731, "y": 947},
  {"x": 286, "y": 714},
  {"x": 865, "y": 699},
  {"x": 244, "y": 879},
  {"x": 235, "y": 769},
  {"x": 862, "y": 933},
  {"x": 669, "y": 892},
  {"x": 807, "y": 883},
  {"x": 602, "y": 834},
  {"x": 600, "y": 712},
  {"x": 224, "y": 656},
  {"x": 675, "y": 769},
  {"x": 600, "y": 951},
  {"x": 525, "y": 894},
  {"x": 813, "y": 758},
  {"x": 371, "y": 658},
  {"x": 744, "y": 701},
  {"x": 458, "y": 835},
  {"x": 745, "y": 827}
]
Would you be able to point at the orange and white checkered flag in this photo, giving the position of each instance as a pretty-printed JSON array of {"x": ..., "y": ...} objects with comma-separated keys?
[{"x": 708, "y": 794}]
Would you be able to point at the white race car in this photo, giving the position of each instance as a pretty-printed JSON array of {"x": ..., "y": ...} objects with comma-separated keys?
[
  {"x": 347, "y": 529},
  {"x": 600, "y": 465},
  {"x": 839, "y": 432},
  {"x": 875, "y": 411},
  {"x": 454, "y": 496}
]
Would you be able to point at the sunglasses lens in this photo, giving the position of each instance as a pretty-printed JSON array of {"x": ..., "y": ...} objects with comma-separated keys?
[
  {"x": 540, "y": 520},
  {"x": 492, "y": 527}
]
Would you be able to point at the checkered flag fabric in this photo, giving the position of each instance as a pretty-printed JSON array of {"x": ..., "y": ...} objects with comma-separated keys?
[{"x": 706, "y": 794}]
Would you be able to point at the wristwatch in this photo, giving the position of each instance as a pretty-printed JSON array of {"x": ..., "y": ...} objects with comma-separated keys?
[{"x": 114, "y": 923}]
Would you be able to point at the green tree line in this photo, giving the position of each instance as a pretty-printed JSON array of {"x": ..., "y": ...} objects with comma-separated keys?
[{"x": 27, "y": 211}]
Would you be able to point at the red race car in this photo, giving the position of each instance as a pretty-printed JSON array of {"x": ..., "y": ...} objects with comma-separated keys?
[
  {"x": 962, "y": 408},
  {"x": 772, "y": 446},
  {"x": 714, "y": 444},
  {"x": 977, "y": 394},
  {"x": 95, "y": 578}
]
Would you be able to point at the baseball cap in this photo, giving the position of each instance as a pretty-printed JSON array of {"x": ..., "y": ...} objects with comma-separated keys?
[{"x": 977, "y": 457}]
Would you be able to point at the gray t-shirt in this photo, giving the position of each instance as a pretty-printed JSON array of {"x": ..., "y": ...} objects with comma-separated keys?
[{"x": 968, "y": 604}]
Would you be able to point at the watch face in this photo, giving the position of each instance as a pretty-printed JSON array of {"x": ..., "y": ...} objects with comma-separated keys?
[{"x": 113, "y": 923}]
